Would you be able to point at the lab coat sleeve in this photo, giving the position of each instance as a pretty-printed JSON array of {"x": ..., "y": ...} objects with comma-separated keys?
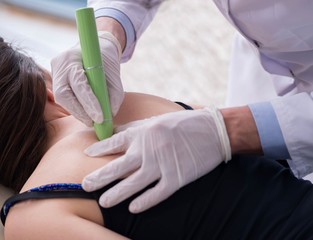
[
  {"x": 295, "y": 117},
  {"x": 287, "y": 120},
  {"x": 134, "y": 16}
]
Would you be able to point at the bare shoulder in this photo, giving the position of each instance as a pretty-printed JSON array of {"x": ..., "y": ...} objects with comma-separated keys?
[
  {"x": 137, "y": 106},
  {"x": 47, "y": 219},
  {"x": 66, "y": 161},
  {"x": 53, "y": 219}
]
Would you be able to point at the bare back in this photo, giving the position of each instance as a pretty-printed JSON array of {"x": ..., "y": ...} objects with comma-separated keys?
[{"x": 65, "y": 161}]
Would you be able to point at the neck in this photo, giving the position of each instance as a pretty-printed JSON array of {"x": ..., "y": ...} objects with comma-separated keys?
[{"x": 59, "y": 123}]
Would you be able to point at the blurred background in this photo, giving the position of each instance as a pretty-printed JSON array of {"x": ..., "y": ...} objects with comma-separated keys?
[{"x": 182, "y": 56}]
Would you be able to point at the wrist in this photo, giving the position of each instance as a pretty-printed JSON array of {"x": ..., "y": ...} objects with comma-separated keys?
[
  {"x": 113, "y": 26},
  {"x": 242, "y": 131},
  {"x": 216, "y": 115}
]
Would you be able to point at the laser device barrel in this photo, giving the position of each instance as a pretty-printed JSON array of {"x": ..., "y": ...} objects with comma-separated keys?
[{"x": 92, "y": 62}]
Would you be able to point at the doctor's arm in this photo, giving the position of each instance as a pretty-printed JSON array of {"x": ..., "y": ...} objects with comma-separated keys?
[
  {"x": 242, "y": 131},
  {"x": 119, "y": 24},
  {"x": 255, "y": 129},
  {"x": 178, "y": 148},
  {"x": 284, "y": 126},
  {"x": 133, "y": 15}
]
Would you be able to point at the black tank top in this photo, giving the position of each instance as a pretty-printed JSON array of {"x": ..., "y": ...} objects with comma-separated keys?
[
  {"x": 247, "y": 198},
  {"x": 179, "y": 217}
]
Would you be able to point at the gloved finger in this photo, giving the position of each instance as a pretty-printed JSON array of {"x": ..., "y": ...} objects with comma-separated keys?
[
  {"x": 68, "y": 100},
  {"x": 151, "y": 197},
  {"x": 111, "y": 54},
  {"x": 115, "y": 88},
  {"x": 110, "y": 172},
  {"x": 85, "y": 95},
  {"x": 62, "y": 89},
  {"x": 126, "y": 188},
  {"x": 116, "y": 99},
  {"x": 126, "y": 126},
  {"x": 116, "y": 144}
]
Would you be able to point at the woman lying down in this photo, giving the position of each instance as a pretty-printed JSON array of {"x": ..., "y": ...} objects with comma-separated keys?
[{"x": 42, "y": 157}]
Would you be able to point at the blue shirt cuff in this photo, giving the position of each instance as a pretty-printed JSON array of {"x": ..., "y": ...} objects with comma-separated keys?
[
  {"x": 123, "y": 19},
  {"x": 272, "y": 140}
]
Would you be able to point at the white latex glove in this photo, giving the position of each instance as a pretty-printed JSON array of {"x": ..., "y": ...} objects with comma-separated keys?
[
  {"x": 175, "y": 148},
  {"x": 70, "y": 85}
]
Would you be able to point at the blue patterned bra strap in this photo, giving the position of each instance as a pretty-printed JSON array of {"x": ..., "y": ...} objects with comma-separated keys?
[{"x": 56, "y": 190}]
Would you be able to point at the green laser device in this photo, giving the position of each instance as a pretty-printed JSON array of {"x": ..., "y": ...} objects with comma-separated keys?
[{"x": 92, "y": 62}]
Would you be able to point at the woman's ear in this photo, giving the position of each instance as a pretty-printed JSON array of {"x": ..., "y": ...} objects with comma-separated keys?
[{"x": 50, "y": 96}]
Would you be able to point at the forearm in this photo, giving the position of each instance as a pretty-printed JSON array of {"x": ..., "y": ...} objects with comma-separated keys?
[
  {"x": 242, "y": 131},
  {"x": 111, "y": 25}
]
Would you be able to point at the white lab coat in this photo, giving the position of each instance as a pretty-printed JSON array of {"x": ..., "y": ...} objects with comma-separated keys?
[{"x": 272, "y": 61}]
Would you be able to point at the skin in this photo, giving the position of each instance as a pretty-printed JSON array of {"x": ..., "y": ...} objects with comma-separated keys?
[
  {"x": 242, "y": 131},
  {"x": 65, "y": 162}
]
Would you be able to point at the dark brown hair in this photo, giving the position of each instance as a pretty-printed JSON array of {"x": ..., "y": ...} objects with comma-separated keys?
[{"x": 23, "y": 132}]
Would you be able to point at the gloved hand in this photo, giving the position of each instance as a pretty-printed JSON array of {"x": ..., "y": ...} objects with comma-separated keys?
[
  {"x": 70, "y": 85},
  {"x": 175, "y": 148}
]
